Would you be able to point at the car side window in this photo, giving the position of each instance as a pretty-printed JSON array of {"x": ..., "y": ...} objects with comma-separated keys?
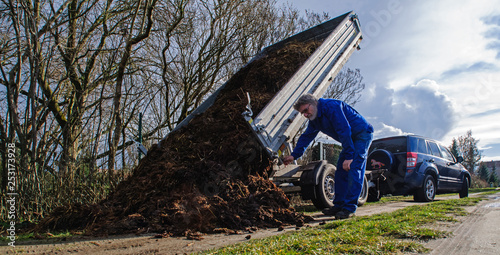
[
  {"x": 434, "y": 149},
  {"x": 422, "y": 146},
  {"x": 446, "y": 153}
]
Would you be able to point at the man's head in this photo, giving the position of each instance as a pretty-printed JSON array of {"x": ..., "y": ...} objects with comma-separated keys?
[{"x": 307, "y": 105}]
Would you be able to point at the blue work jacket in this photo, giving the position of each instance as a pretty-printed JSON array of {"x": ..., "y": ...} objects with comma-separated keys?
[{"x": 338, "y": 120}]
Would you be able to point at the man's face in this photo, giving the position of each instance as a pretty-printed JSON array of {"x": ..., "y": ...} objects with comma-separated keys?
[{"x": 309, "y": 111}]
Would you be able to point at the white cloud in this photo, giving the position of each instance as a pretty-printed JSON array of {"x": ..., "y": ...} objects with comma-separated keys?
[
  {"x": 383, "y": 130},
  {"x": 419, "y": 109},
  {"x": 377, "y": 102},
  {"x": 451, "y": 44},
  {"x": 474, "y": 93},
  {"x": 423, "y": 110},
  {"x": 439, "y": 59},
  {"x": 439, "y": 36},
  {"x": 483, "y": 129}
]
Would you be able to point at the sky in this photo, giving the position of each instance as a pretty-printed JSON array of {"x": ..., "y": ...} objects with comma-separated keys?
[{"x": 431, "y": 68}]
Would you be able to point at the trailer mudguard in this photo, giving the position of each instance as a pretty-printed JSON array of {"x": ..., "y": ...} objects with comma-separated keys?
[
  {"x": 311, "y": 172},
  {"x": 310, "y": 178}
]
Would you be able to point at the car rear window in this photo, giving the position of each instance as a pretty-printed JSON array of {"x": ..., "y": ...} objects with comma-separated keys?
[
  {"x": 394, "y": 145},
  {"x": 418, "y": 144}
]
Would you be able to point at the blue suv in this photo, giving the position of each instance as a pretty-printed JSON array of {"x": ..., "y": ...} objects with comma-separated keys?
[{"x": 414, "y": 165}]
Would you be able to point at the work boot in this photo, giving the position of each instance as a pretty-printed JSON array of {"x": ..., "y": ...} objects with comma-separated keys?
[
  {"x": 343, "y": 214},
  {"x": 332, "y": 210}
]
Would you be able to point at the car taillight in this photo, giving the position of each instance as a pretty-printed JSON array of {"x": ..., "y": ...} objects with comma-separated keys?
[{"x": 411, "y": 159}]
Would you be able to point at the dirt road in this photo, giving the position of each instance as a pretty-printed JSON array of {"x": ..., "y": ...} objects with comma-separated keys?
[{"x": 477, "y": 233}]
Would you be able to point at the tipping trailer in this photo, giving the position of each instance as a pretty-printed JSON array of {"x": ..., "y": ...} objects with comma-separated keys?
[{"x": 278, "y": 122}]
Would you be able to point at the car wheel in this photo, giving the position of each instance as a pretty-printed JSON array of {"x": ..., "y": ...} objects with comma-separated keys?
[
  {"x": 325, "y": 190},
  {"x": 364, "y": 192},
  {"x": 428, "y": 191},
  {"x": 464, "y": 192}
]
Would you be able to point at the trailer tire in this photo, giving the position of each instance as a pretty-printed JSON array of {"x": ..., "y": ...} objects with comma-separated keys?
[
  {"x": 325, "y": 190},
  {"x": 374, "y": 194},
  {"x": 363, "y": 197}
]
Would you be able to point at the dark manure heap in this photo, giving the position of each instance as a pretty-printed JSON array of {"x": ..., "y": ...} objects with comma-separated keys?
[{"x": 208, "y": 176}]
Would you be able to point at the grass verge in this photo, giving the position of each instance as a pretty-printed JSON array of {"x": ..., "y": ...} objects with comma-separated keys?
[
  {"x": 52, "y": 237},
  {"x": 386, "y": 233}
]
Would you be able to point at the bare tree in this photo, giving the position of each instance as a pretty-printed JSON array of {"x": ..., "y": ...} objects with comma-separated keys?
[
  {"x": 346, "y": 86},
  {"x": 56, "y": 55},
  {"x": 74, "y": 75},
  {"x": 210, "y": 44},
  {"x": 467, "y": 146},
  {"x": 139, "y": 29}
]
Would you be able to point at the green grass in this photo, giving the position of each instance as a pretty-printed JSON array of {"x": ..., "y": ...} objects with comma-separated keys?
[
  {"x": 485, "y": 191},
  {"x": 385, "y": 233},
  {"x": 389, "y": 199},
  {"x": 57, "y": 236}
]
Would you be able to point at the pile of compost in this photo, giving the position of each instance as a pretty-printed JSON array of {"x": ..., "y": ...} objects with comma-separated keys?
[{"x": 208, "y": 176}]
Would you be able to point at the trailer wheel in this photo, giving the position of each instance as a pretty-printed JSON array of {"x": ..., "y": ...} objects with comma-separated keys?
[
  {"x": 325, "y": 190},
  {"x": 374, "y": 194},
  {"x": 363, "y": 197}
]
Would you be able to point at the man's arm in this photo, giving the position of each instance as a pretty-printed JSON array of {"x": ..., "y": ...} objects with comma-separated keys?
[{"x": 304, "y": 140}]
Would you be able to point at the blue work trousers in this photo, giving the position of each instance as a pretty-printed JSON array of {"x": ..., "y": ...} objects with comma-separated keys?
[{"x": 348, "y": 184}]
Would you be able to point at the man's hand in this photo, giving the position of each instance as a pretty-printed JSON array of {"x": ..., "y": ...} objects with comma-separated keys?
[
  {"x": 347, "y": 164},
  {"x": 287, "y": 160}
]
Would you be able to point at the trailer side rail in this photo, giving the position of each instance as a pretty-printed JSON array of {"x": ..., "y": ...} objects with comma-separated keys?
[{"x": 278, "y": 122}]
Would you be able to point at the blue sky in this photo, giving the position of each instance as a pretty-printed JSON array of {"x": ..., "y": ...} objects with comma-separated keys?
[{"x": 431, "y": 68}]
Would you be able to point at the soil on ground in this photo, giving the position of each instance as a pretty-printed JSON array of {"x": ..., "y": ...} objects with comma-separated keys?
[{"x": 210, "y": 176}]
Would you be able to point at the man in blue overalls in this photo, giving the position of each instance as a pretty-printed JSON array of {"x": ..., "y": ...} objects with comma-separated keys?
[{"x": 344, "y": 124}]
